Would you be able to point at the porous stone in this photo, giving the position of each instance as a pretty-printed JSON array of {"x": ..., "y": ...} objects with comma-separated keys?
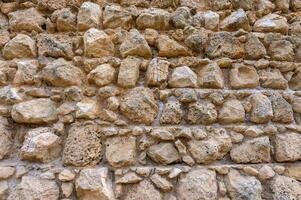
[
  {"x": 273, "y": 79},
  {"x": 172, "y": 113},
  {"x": 283, "y": 112},
  {"x": 254, "y": 48},
  {"x": 262, "y": 110},
  {"x": 143, "y": 190},
  {"x": 115, "y": 16},
  {"x": 208, "y": 20},
  {"x": 201, "y": 113},
  {"x": 281, "y": 50},
  {"x": 153, "y": 18},
  {"x": 27, "y": 70},
  {"x": 211, "y": 76},
  {"x": 163, "y": 153},
  {"x": 129, "y": 72},
  {"x": 232, "y": 112},
  {"x": 102, "y": 75},
  {"x": 285, "y": 188},
  {"x": 180, "y": 18},
  {"x": 89, "y": 15},
  {"x": 157, "y": 72},
  {"x": 64, "y": 19},
  {"x": 287, "y": 147},
  {"x": 6, "y": 141},
  {"x": 183, "y": 77}
]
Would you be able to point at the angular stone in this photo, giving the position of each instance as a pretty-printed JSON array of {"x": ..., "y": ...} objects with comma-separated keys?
[
  {"x": 89, "y": 15},
  {"x": 235, "y": 21},
  {"x": 135, "y": 45},
  {"x": 254, "y": 48},
  {"x": 27, "y": 69},
  {"x": 196, "y": 41},
  {"x": 157, "y": 72},
  {"x": 262, "y": 110},
  {"x": 271, "y": 23},
  {"x": 129, "y": 178},
  {"x": 153, "y": 18},
  {"x": 41, "y": 144},
  {"x": 66, "y": 175},
  {"x": 172, "y": 113},
  {"x": 295, "y": 83},
  {"x": 35, "y": 188},
  {"x": 180, "y": 18},
  {"x": 293, "y": 172},
  {"x": 26, "y": 20},
  {"x": 64, "y": 19},
  {"x": 208, "y": 20},
  {"x": 288, "y": 147},
  {"x": 115, "y": 16},
  {"x": 9, "y": 95},
  {"x": 232, "y": 112},
  {"x": 21, "y": 46},
  {"x": 97, "y": 43},
  {"x": 170, "y": 48},
  {"x": 161, "y": 183},
  {"x": 129, "y": 72},
  {"x": 266, "y": 172},
  {"x": 163, "y": 153},
  {"x": 6, "y": 141},
  {"x": 281, "y": 50},
  {"x": 199, "y": 183},
  {"x": 211, "y": 149},
  {"x": 94, "y": 184},
  {"x": 102, "y": 75},
  {"x": 243, "y": 187},
  {"x": 211, "y": 76},
  {"x": 162, "y": 134},
  {"x": 83, "y": 146},
  {"x": 121, "y": 151},
  {"x": 272, "y": 78},
  {"x": 4, "y": 190},
  {"x": 144, "y": 190},
  {"x": 201, "y": 113},
  {"x": 87, "y": 109},
  {"x": 36, "y": 111},
  {"x": 252, "y": 151},
  {"x": 223, "y": 44},
  {"x": 139, "y": 105},
  {"x": 219, "y": 4},
  {"x": 243, "y": 76},
  {"x": 283, "y": 187},
  {"x": 296, "y": 104},
  {"x": 283, "y": 111},
  {"x": 182, "y": 77}
]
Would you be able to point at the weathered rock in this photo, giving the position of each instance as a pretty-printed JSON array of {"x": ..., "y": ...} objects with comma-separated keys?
[
  {"x": 6, "y": 141},
  {"x": 211, "y": 149},
  {"x": 36, "y": 111},
  {"x": 157, "y": 72},
  {"x": 235, "y": 21},
  {"x": 135, "y": 45},
  {"x": 295, "y": 83},
  {"x": 266, "y": 172},
  {"x": 243, "y": 187},
  {"x": 144, "y": 190},
  {"x": 273, "y": 78},
  {"x": 293, "y": 172},
  {"x": 288, "y": 147},
  {"x": 66, "y": 175},
  {"x": 201, "y": 113},
  {"x": 121, "y": 151},
  {"x": 196, "y": 41},
  {"x": 10, "y": 95},
  {"x": 64, "y": 19},
  {"x": 102, "y": 75},
  {"x": 232, "y": 112},
  {"x": 162, "y": 134},
  {"x": 153, "y": 18},
  {"x": 296, "y": 5},
  {"x": 208, "y": 20},
  {"x": 252, "y": 151},
  {"x": 35, "y": 188},
  {"x": 97, "y": 43},
  {"x": 129, "y": 178},
  {"x": 243, "y": 76},
  {"x": 180, "y": 18},
  {"x": 183, "y": 77},
  {"x": 6, "y": 172},
  {"x": 262, "y": 110},
  {"x": 285, "y": 188},
  {"x": 27, "y": 69},
  {"x": 211, "y": 76},
  {"x": 164, "y": 153},
  {"x": 83, "y": 146},
  {"x": 115, "y": 16},
  {"x": 172, "y": 113},
  {"x": 254, "y": 48},
  {"x": 281, "y": 50},
  {"x": 21, "y": 46},
  {"x": 197, "y": 184},
  {"x": 139, "y": 105},
  {"x": 296, "y": 104},
  {"x": 161, "y": 183},
  {"x": 170, "y": 48},
  {"x": 41, "y": 144},
  {"x": 93, "y": 184},
  {"x": 129, "y": 72},
  {"x": 271, "y": 23},
  {"x": 4, "y": 190},
  {"x": 88, "y": 16},
  {"x": 283, "y": 112},
  {"x": 87, "y": 109}
]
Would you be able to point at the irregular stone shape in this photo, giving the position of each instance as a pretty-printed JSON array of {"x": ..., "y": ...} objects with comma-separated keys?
[
  {"x": 102, "y": 75},
  {"x": 139, "y": 105},
  {"x": 262, "y": 110},
  {"x": 4, "y": 190},
  {"x": 293, "y": 172},
  {"x": 243, "y": 76},
  {"x": 254, "y": 48},
  {"x": 208, "y": 20},
  {"x": 161, "y": 183},
  {"x": 182, "y": 77},
  {"x": 9, "y": 95},
  {"x": 296, "y": 5},
  {"x": 61, "y": 73},
  {"x": 285, "y": 188},
  {"x": 129, "y": 178},
  {"x": 157, "y": 72},
  {"x": 26, "y": 20},
  {"x": 283, "y": 111},
  {"x": 219, "y": 4},
  {"x": 129, "y": 72},
  {"x": 87, "y": 109},
  {"x": 64, "y": 19},
  {"x": 35, "y": 188},
  {"x": 211, "y": 76},
  {"x": 296, "y": 104},
  {"x": 163, "y": 153},
  {"x": 56, "y": 46},
  {"x": 170, "y": 48},
  {"x": 135, "y": 45},
  {"x": 201, "y": 113},
  {"x": 115, "y": 16},
  {"x": 27, "y": 69},
  {"x": 199, "y": 183},
  {"x": 235, "y": 21},
  {"x": 153, "y": 18},
  {"x": 144, "y": 190},
  {"x": 223, "y": 44},
  {"x": 288, "y": 147},
  {"x": 83, "y": 146},
  {"x": 271, "y": 23},
  {"x": 36, "y": 111},
  {"x": 121, "y": 151},
  {"x": 172, "y": 113},
  {"x": 196, "y": 41},
  {"x": 180, "y": 18},
  {"x": 89, "y": 15},
  {"x": 273, "y": 79},
  {"x": 41, "y": 144},
  {"x": 54, "y": 4},
  {"x": 256, "y": 150},
  {"x": 295, "y": 83},
  {"x": 97, "y": 43},
  {"x": 232, "y": 112},
  {"x": 94, "y": 184},
  {"x": 211, "y": 149},
  {"x": 243, "y": 187},
  {"x": 281, "y": 50},
  {"x": 21, "y": 46},
  {"x": 6, "y": 141}
]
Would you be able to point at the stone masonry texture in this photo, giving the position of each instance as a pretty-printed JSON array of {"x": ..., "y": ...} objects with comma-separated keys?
[{"x": 150, "y": 100}]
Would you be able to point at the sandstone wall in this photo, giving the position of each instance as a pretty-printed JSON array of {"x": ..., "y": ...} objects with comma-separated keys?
[{"x": 150, "y": 100}]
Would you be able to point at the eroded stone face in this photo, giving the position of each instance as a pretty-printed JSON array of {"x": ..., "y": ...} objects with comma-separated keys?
[
  {"x": 287, "y": 147},
  {"x": 143, "y": 190}
]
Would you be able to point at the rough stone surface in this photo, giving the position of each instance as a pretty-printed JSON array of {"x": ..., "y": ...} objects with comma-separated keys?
[
  {"x": 163, "y": 153},
  {"x": 287, "y": 147},
  {"x": 201, "y": 113},
  {"x": 143, "y": 190},
  {"x": 285, "y": 188}
]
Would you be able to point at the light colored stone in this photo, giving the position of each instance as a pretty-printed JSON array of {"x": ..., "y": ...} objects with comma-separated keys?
[
  {"x": 129, "y": 178},
  {"x": 293, "y": 172},
  {"x": 288, "y": 147},
  {"x": 102, "y": 75},
  {"x": 201, "y": 113},
  {"x": 65, "y": 20},
  {"x": 129, "y": 72},
  {"x": 243, "y": 76},
  {"x": 254, "y": 48},
  {"x": 296, "y": 104},
  {"x": 153, "y": 18},
  {"x": 115, "y": 16},
  {"x": 144, "y": 190},
  {"x": 163, "y": 153},
  {"x": 87, "y": 109},
  {"x": 211, "y": 76},
  {"x": 4, "y": 189},
  {"x": 162, "y": 134},
  {"x": 10, "y": 95},
  {"x": 67, "y": 188},
  {"x": 208, "y": 20},
  {"x": 183, "y": 77},
  {"x": 250, "y": 171},
  {"x": 170, "y": 48},
  {"x": 232, "y": 112},
  {"x": 27, "y": 70},
  {"x": 271, "y": 23},
  {"x": 272, "y": 79},
  {"x": 262, "y": 110},
  {"x": 66, "y": 175},
  {"x": 236, "y": 20},
  {"x": 172, "y": 113},
  {"x": 281, "y": 50},
  {"x": 285, "y": 188},
  {"x": 161, "y": 183},
  {"x": 283, "y": 112},
  {"x": 266, "y": 172},
  {"x": 6, "y": 141},
  {"x": 6, "y": 172},
  {"x": 89, "y": 15},
  {"x": 157, "y": 72}
]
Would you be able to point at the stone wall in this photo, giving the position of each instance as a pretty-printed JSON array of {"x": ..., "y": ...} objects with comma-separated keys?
[{"x": 150, "y": 100}]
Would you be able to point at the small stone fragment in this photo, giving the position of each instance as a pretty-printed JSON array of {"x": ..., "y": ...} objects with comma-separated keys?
[
  {"x": 129, "y": 178},
  {"x": 6, "y": 172},
  {"x": 66, "y": 175},
  {"x": 157, "y": 72},
  {"x": 266, "y": 172}
]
